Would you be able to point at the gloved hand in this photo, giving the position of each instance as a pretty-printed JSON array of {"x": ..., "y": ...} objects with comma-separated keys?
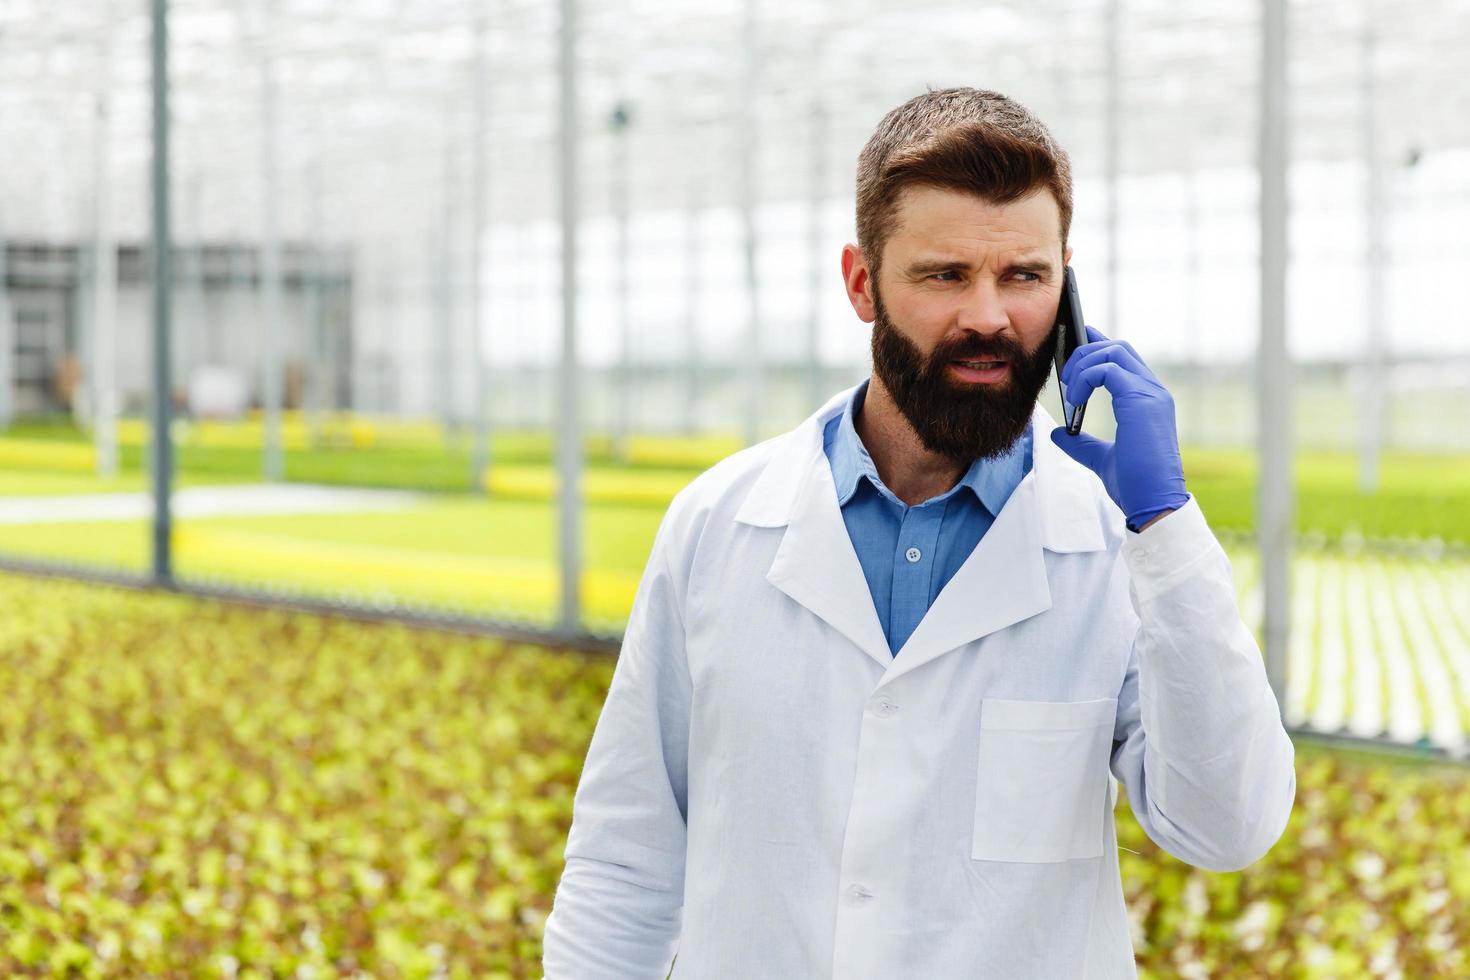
[{"x": 1142, "y": 471}]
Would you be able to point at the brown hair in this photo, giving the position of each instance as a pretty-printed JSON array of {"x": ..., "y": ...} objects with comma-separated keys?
[{"x": 962, "y": 139}]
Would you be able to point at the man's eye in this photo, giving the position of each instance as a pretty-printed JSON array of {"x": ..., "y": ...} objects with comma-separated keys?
[
  {"x": 940, "y": 276},
  {"x": 1034, "y": 277}
]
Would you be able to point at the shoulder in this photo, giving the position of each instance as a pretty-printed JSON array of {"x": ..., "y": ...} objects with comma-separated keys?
[
  {"x": 718, "y": 493},
  {"x": 753, "y": 487}
]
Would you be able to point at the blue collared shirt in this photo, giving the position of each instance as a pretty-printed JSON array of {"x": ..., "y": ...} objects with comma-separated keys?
[{"x": 909, "y": 553}]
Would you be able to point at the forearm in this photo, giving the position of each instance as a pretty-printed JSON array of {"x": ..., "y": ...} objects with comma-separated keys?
[
  {"x": 608, "y": 923},
  {"x": 1218, "y": 765},
  {"x": 619, "y": 905}
]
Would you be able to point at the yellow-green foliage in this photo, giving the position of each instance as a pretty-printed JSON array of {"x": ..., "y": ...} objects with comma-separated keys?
[
  {"x": 189, "y": 789},
  {"x": 1370, "y": 878},
  {"x": 194, "y": 789}
]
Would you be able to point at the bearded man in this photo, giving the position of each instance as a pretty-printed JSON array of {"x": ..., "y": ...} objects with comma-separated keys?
[{"x": 884, "y": 672}]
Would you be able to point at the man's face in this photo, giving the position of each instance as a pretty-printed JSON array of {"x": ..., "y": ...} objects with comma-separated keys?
[{"x": 964, "y": 280}]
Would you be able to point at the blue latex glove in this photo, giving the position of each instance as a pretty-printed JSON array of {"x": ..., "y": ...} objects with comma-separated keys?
[{"x": 1142, "y": 471}]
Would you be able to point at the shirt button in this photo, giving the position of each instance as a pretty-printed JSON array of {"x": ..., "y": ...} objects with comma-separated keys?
[
  {"x": 913, "y": 555},
  {"x": 858, "y": 895}
]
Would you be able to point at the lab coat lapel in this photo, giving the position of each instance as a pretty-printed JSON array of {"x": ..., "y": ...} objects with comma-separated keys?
[
  {"x": 817, "y": 566},
  {"x": 1002, "y": 582},
  {"x": 1004, "y": 579},
  {"x": 815, "y": 563}
]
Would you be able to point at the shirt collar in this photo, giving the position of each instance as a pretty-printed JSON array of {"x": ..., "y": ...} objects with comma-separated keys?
[{"x": 992, "y": 481}]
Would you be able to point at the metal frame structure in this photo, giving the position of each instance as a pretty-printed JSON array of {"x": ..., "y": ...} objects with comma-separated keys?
[{"x": 350, "y": 135}]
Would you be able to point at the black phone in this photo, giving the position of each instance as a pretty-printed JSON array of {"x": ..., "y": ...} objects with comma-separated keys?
[{"x": 1071, "y": 334}]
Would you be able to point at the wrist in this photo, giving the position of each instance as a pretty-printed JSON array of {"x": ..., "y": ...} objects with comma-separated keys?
[
  {"x": 1138, "y": 523},
  {"x": 1152, "y": 521}
]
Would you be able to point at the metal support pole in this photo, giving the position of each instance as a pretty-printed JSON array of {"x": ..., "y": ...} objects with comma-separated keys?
[
  {"x": 480, "y": 454},
  {"x": 1111, "y": 140},
  {"x": 161, "y": 444},
  {"x": 83, "y": 399},
  {"x": 317, "y": 375},
  {"x": 243, "y": 273},
  {"x": 1371, "y": 376},
  {"x": 102, "y": 369},
  {"x": 389, "y": 261},
  {"x": 1193, "y": 422},
  {"x": 693, "y": 376},
  {"x": 569, "y": 438},
  {"x": 751, "y": 357},
  {"x": 273, "y": 463},
  {"x": 1273, "y": 370},
  {"x": 444, "y": 280},
  {"x": 623, "y": 375},
  {"x": 819, "y": 266},
  {"x": 433, "y": 253}
]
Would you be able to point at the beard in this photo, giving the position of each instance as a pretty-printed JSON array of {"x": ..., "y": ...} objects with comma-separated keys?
[{"x": 960, "y": 420}]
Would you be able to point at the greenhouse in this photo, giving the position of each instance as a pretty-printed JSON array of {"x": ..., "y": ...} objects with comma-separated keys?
[{"x": 356, "y": 358}]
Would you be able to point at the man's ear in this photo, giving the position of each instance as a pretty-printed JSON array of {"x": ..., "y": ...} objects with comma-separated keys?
[
  {"x": 1067, "y": 256},
  {"x": 859, "y": 282}
]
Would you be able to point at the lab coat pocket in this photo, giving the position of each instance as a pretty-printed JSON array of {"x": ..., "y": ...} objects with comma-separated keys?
[{"x": 1043, "y": 779}]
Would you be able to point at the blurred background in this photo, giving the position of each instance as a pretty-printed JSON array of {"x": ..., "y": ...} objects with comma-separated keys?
[{"x": 461, "y": 294}]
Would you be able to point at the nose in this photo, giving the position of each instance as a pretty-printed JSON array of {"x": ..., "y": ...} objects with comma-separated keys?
[{"x": 982, "y": 310}]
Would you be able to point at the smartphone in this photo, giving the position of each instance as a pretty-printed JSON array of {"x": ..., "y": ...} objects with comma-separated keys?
[{"x": 1071, "y": 334}]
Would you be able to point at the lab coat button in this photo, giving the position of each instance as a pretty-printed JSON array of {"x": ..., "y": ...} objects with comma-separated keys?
[
  {"x": 858, "y": 895},
  {"x": 884, "y": 708},
  {"x": 913, "y": 555}
]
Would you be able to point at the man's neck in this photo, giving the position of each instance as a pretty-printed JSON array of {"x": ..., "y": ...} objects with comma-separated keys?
[{"x": 913, "y": 473}]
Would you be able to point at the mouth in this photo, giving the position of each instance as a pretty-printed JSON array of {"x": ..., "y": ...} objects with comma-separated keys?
[{"x": 982, "y": 372}]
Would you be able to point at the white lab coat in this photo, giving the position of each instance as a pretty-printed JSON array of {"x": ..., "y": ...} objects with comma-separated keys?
[{"x": 771, "y": 794}]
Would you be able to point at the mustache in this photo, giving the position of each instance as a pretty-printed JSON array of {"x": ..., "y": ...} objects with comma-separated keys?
[{"x": 972, "y": 347}]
